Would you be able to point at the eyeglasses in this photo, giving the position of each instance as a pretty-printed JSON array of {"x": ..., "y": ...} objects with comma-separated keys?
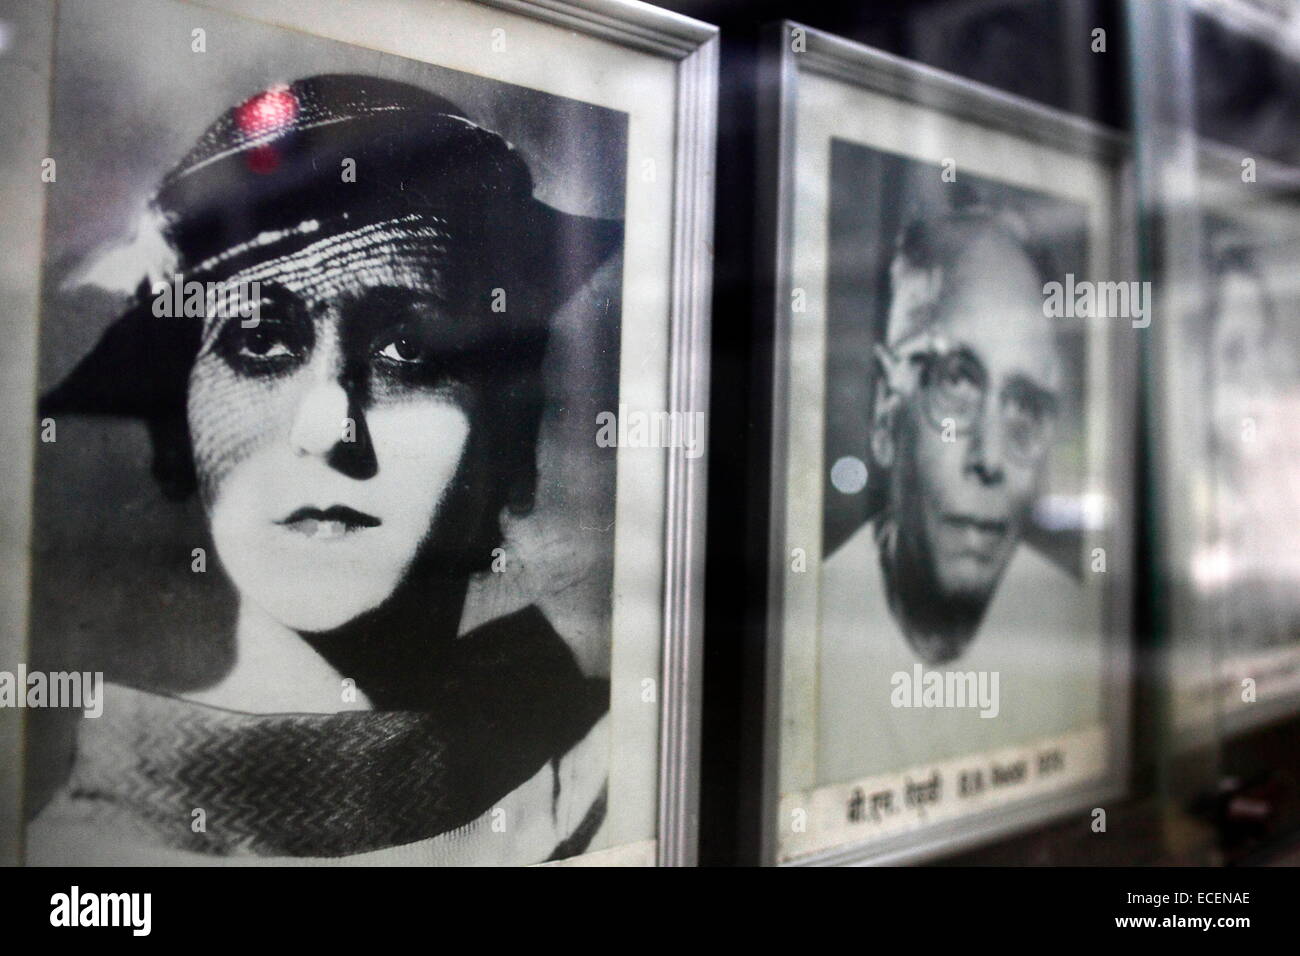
[{"x": 954, "y": 388}]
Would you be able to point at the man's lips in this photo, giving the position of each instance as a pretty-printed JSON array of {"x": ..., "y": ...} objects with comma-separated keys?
[
  {"x": 977, "y": 535},
  {"x": 332, "y": 522}
]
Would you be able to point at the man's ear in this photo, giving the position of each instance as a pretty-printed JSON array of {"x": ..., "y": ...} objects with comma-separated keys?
[{"x": 885, "y": 407}]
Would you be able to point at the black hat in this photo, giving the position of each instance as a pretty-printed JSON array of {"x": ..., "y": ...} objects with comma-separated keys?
[{"x": 323, "y": 156}]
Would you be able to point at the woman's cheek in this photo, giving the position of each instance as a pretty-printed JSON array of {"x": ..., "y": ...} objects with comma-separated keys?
[
  {"x": 419, "y": 444},
  {"x": 230, "y": 417}
]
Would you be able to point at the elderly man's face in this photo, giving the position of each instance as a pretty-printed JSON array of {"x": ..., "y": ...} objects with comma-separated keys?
[
  {"x": 972, "y": 437},
  {"x": 326, "y": 436}
]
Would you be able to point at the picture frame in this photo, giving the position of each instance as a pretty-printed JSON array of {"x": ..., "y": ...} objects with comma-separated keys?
[
  {"x": 920, "y": 108},
  {"x": 1231, "y": 619},
  {"x": 617, "y": 51}
]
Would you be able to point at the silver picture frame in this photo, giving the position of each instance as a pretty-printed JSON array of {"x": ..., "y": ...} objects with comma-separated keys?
[
  {"x": 693, "y": 46},
  {"x": 1226, "y": 197},
  {"x": 691, "y": 50},
  {"x": 1184, "y": 178},
  {"x": 794, "y": 51}
]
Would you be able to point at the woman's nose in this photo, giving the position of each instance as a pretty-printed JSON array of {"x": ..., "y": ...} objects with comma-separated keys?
[{"x": 322, "y": 421}]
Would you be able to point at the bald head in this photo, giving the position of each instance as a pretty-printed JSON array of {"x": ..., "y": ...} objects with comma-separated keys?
[{"x": 966, "y": 266}]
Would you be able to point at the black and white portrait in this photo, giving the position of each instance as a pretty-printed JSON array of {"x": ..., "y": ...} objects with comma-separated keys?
[
  {"x": 1242, "y": 348},
  {"x": 954, "y": 499},
  {"x": 345, "y": 549},
  {"x": 949, "y": 460}
]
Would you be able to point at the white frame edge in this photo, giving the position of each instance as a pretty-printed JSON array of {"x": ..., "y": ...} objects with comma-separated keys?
[{"x": 694, "y": 46}]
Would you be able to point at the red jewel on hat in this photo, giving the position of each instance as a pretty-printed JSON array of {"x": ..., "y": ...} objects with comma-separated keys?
[
  {"x": 262, "y": 114},
  {"x": 267, "y": 112}
]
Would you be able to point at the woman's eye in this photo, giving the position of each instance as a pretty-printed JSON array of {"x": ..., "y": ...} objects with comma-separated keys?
[
  {"x": 268, "y": 348},
  {"x": 403, "y": 350},
  {"x": 262, "y": 344}
]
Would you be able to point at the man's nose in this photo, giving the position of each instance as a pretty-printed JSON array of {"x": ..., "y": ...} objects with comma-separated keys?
[{"x": 985, "y": 455}]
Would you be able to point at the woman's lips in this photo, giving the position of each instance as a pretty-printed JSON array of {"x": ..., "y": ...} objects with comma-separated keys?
[{"x": 332, "y": 522}]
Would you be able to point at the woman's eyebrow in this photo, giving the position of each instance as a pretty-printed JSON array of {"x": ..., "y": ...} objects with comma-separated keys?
[
  {"x": 275, "y": 303},
  {"x": 274, "y": 291},
  {"x": 395, "y": 294},
  {"x": 379, "y": 307},
  {"x": 389, "y": 297},
  {"x": 269, "y": 291}
]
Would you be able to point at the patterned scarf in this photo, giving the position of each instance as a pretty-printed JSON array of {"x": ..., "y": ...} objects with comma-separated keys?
[{"x": 326, "y": 785}]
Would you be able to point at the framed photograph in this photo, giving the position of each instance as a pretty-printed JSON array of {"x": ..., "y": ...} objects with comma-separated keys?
[
  {"x": 370, "y": 399},
  {"x": 1230, "y": 376},
  {"x": 956, "y": 320}
]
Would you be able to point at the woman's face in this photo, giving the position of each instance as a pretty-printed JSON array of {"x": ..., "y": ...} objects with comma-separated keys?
[
  {"x": 1243, "y": 353},
  {"x": 327, "y": 434}
]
